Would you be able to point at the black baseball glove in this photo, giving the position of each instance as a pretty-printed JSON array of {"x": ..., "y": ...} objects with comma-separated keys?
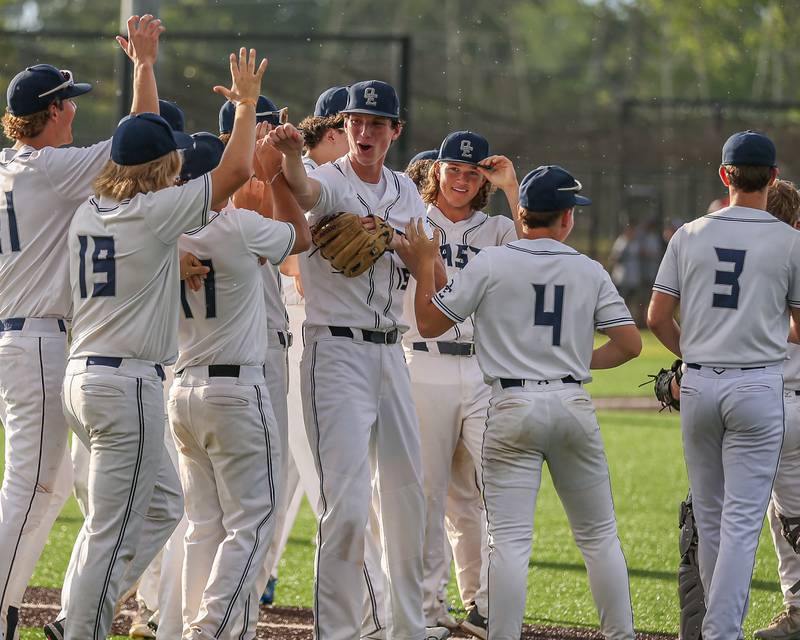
[{"x": 662, "y": 385}]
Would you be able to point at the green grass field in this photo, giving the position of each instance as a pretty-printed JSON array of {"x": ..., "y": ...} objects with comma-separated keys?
[{"x": 648, "y": 479}]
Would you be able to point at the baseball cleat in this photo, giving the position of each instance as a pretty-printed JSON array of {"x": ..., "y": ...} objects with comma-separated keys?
[
  {"x": 475, "y": 623},
  {"x": 140, "y": 625},
  {"x": 446, "y": 620},
  {"x": 784, "y": 626},
  {"x": 54, "y": 630},
  {"x": 269, "y": 593},
  {"x": 436, "y": 633}
]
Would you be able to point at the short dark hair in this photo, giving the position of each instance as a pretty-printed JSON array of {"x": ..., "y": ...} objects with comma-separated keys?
[
  {"x": 540, "y": 219},
  {"x": 748, "y": 178}
]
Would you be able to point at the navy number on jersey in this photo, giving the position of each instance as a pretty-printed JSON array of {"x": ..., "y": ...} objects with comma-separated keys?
[
  {"x": 7, "y": 203},
  {"x": 210, "y": 293},
  {"x": 104, "y": 266},
  {"x": 728, "y": 278},
  {"x": 552, "y": 318},
  {"x": 460, "y": 258}
]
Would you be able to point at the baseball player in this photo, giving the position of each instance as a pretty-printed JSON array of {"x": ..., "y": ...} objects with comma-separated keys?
[
  {"x": 536, "y": 303},
  {"x": 221, "y": 414},
  {"x": 42, "y": 184},
  {"x": 352, "y": 333},
  {"x": 449, "y": 392},
  {"x": 735, "y": 274},
  {"x": 124, "y": 273}
]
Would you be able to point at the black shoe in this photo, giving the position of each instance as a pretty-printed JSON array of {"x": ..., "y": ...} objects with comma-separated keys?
[
  {"x": 54, "y": 630},
  {"x": 475, "y": 624}
]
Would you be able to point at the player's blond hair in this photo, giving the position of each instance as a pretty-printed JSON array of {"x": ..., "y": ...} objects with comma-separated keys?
[
  {"x": 418, "y": 172},
  {"x": 30, "y": 126},
  {"x": 430, "y": 192},
  {"x": 783, "y": 201},
  {"x": 120, "y": 182}
]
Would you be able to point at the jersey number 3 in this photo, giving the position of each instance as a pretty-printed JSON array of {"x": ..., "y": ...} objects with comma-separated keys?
[
  {"x": 103, "y": 265},
  {"x": 7, "y": 202},
  {"x": 729, "y": 278},
  {"x": 549, "y": 318}
]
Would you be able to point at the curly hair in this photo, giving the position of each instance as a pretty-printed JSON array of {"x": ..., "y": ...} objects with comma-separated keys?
[
  {"x": 430, "y": 191},
  {"x": 418, "y": 172},
  {"x": 30, "y": 126},
  {"x": 314, "y": 128},
  {"x": 120, "y": 182},
  {"x": 783, "y": 201}
]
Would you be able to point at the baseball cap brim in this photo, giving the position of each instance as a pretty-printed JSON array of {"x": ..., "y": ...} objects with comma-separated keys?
[
  {"x": 77, "y": 89},
  {"x": 459, "y": 161},
  {"x": 582, "y": 200},
  {"x": 370, "y": 112}
]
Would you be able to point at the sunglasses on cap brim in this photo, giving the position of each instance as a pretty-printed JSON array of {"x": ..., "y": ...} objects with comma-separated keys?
[
  {"x": 282, "y": 114},
  {"x": 576, "y": 187},
  {"x": 68, "y": 82}
]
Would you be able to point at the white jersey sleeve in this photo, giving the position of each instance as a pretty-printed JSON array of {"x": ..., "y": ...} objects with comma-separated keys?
[
  {"x": 668, "y": 278},
  {"x": 611, "y": 310},
  {"x": 72, "y": 170},
  {"x": 190, "y": 206},
  {"x": 460, "y": 297},
  {"x": 794, "y": 275},
  {"x": 330, "y": 187},
  {"x": 265, "y": 237}
]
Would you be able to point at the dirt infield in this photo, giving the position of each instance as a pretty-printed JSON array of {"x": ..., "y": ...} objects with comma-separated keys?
[{"x": 41, "y": 605}]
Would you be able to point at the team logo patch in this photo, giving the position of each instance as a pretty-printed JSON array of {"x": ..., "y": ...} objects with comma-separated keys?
[
  {"x": 466, "y": 149},
  {"x": 371, "y": 97}
]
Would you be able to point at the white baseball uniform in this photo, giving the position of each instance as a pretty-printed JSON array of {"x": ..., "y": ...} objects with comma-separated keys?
[
  {"x": 451, "y": 399},
  {"x": 358, "y": 412},
  {"x": 124, "y": 272},
  {"x": 736, "y": 272},
  {"x": 785, "y": 501},
  {"x": 224, "y": 425},
  {"x": 39, "y": 192},
  {"x": 536, "y": 305}
]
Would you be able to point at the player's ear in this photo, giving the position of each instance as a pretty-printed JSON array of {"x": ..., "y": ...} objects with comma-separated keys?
[
  {"x": 723, "y": 175},
  {"x": 773, "y": 175}
]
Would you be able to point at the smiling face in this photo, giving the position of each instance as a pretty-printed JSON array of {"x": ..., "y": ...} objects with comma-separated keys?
[
  {"x": 459, "y": 183},
  {"x": 369, "y": 137}
]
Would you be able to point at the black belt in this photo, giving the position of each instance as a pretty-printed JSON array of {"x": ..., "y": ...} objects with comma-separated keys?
[
  {"x": 116, "y": 363},
  {"x": 448, "y": 348},
  {"x": 693, "y": 365},
  {"x": 16, "y": 324},
  {"x": 223, "y": 370},
  {"x": 285, "y": 338},
  {"x": 515, "y": 382},
  {"x": 375, "y": 337}
]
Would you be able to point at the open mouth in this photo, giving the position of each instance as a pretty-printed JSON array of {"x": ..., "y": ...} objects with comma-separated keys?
[{"x": 364, "y": 147}]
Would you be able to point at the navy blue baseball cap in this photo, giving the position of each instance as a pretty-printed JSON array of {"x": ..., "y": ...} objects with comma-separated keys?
[
  {"x": 144, "y": 137},
  {"x": 749, "y": 148},
  {"x": 464, "y": 146},
  {"x": 203, "y": 156},
  {"x": 331, "y": 102},
  {"x": 173, "y": 114},
  {"x": 431, "y": 154},
  {"x": 33, "y": 89},
  {"x": 266, "y": 111},
  {"x": 550, "y": 188},
  {"x": 373, "y": 97}
]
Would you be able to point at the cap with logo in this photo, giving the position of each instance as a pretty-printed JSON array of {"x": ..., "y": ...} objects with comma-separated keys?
[
  {"x": 173, "y": 114},
  {"x": 464, "y": 146},
  {"x": 144, "y": 137},
  {"x": 749, "y": 148},
  {"x": 33, "y": 89},
  {"x": 203, "y": 156},
  {"x": 373, "y": 97},
  {"x": 266, "y": 111},
  {"x": 431, "y": 154},
  {"x": 331, "y": 102},
  {"x": 550, "y": 188}
]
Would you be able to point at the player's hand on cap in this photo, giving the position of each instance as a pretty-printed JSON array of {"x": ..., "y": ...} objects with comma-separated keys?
[
  {"x": 500, "y": 171},
  {"x": 286, "y": 139},
  {"x": 141, "y": 45},
  {"x": 193, "y": 271},
  {"x": 245, "y": 78}
]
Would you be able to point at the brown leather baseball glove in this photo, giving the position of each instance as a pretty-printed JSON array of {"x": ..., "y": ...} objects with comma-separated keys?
[{"x": 350, "y": 248}]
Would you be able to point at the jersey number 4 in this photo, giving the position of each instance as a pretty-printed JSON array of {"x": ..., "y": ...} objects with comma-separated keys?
[
  {"x": 729, "y": 278},
  {"x": 210, "y": 291},
  {"x": 7, "y": 203},
  {"x": 103, "y": 265},
  {"x": 549, "y": 318}
]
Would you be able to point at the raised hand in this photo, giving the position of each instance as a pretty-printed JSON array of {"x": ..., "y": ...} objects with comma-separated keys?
[
  {"x": 286, "y": 139},
  {"x": 267, "y": 160},
  {"x": 141, "y": 45},
  {"x": 245, "y": 78}
]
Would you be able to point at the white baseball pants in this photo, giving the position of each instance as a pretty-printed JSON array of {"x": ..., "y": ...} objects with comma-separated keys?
[
  {"x": 553, "y": 423},
  {"x": 451, "y": 400},
  {"x": 32, "y": 363},
  {"x": 786, "y": 501},
  {"x": 358, "y": 410},
  {"x": 229, "y": 449},
  {"x": 732, "y": 425},
  {"x": 134, "y": 495}
]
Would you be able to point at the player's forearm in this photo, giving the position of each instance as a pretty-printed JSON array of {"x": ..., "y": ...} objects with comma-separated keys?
[
  {"x": 304, "y": 189},
  {"x": 286, "y": 209},
  {"x": 424, "y": 310},
  {"x": 668, "y": 333},
  {"x": 145, "y": 91},
  {"x": 439, "y": 273},
  {"x": 236, "y": 165},
  {"x": 624, "y": 344}
]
